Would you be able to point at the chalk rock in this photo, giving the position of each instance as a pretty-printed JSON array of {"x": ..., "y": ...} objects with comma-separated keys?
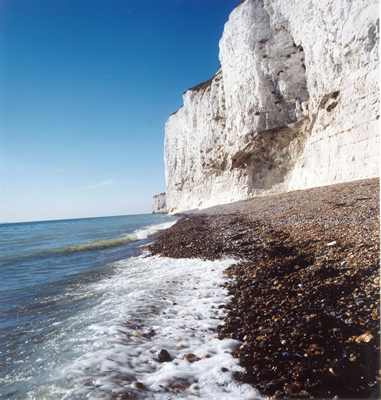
[
  {"x": 295, "y": 104},
  {"x": 159, "y": 204}
]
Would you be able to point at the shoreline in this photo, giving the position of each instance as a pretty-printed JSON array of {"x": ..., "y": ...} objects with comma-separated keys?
[{"x": 305, "y": 297}]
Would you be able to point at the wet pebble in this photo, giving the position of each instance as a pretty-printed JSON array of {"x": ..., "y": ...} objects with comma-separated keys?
[
  {"x": 138, "y": 385},
  {"x": 191, "y": 358},
  {"x": 163, "y": 356}
]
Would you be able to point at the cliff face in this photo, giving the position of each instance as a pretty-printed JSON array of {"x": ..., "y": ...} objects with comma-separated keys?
[
  {"x": 294, "y": 105},
  {"x": 159, "y": 205}
]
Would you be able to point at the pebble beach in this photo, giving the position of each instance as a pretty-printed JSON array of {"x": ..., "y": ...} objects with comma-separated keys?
[{"x": 305, "y": 290}]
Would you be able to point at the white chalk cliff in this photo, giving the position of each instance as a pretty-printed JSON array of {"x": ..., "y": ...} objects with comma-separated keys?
[{"x": 294, "y": 105}]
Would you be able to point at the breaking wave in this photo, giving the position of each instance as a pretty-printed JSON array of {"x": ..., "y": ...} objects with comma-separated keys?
[{"x": 140, "y": 234}]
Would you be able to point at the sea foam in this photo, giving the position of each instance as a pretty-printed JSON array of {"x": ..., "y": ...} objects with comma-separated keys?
[{"x": 148, "y": 305}]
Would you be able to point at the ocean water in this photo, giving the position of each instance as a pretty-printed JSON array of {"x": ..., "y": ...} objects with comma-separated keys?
[{"x": 86, "y": 313}]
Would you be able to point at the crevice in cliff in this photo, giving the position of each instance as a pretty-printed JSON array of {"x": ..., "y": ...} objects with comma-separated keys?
[
  {"x": 271, "y": 155},
  {"x": 328, "y": 102}
]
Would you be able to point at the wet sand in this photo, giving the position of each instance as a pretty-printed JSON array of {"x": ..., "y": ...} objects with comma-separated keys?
[{"x": 306, "y": 290}]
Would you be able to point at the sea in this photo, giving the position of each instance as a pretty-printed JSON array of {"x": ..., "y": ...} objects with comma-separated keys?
[{"x": 87, "y": 313}]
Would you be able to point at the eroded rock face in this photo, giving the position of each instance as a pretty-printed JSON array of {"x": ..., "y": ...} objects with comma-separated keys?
[
  {"x": 159, "y": 204},
  {"x": 294, "y": 105}
]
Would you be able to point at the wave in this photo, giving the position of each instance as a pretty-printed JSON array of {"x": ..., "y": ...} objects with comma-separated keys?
[
  {"x": 145, "y": 233},
  {"x": 98, "y": 245},
  {"x": 140, "y": 234}
]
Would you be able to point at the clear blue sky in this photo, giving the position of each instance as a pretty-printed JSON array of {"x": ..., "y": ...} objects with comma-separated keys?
[{"x": 86, "y": 87}]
